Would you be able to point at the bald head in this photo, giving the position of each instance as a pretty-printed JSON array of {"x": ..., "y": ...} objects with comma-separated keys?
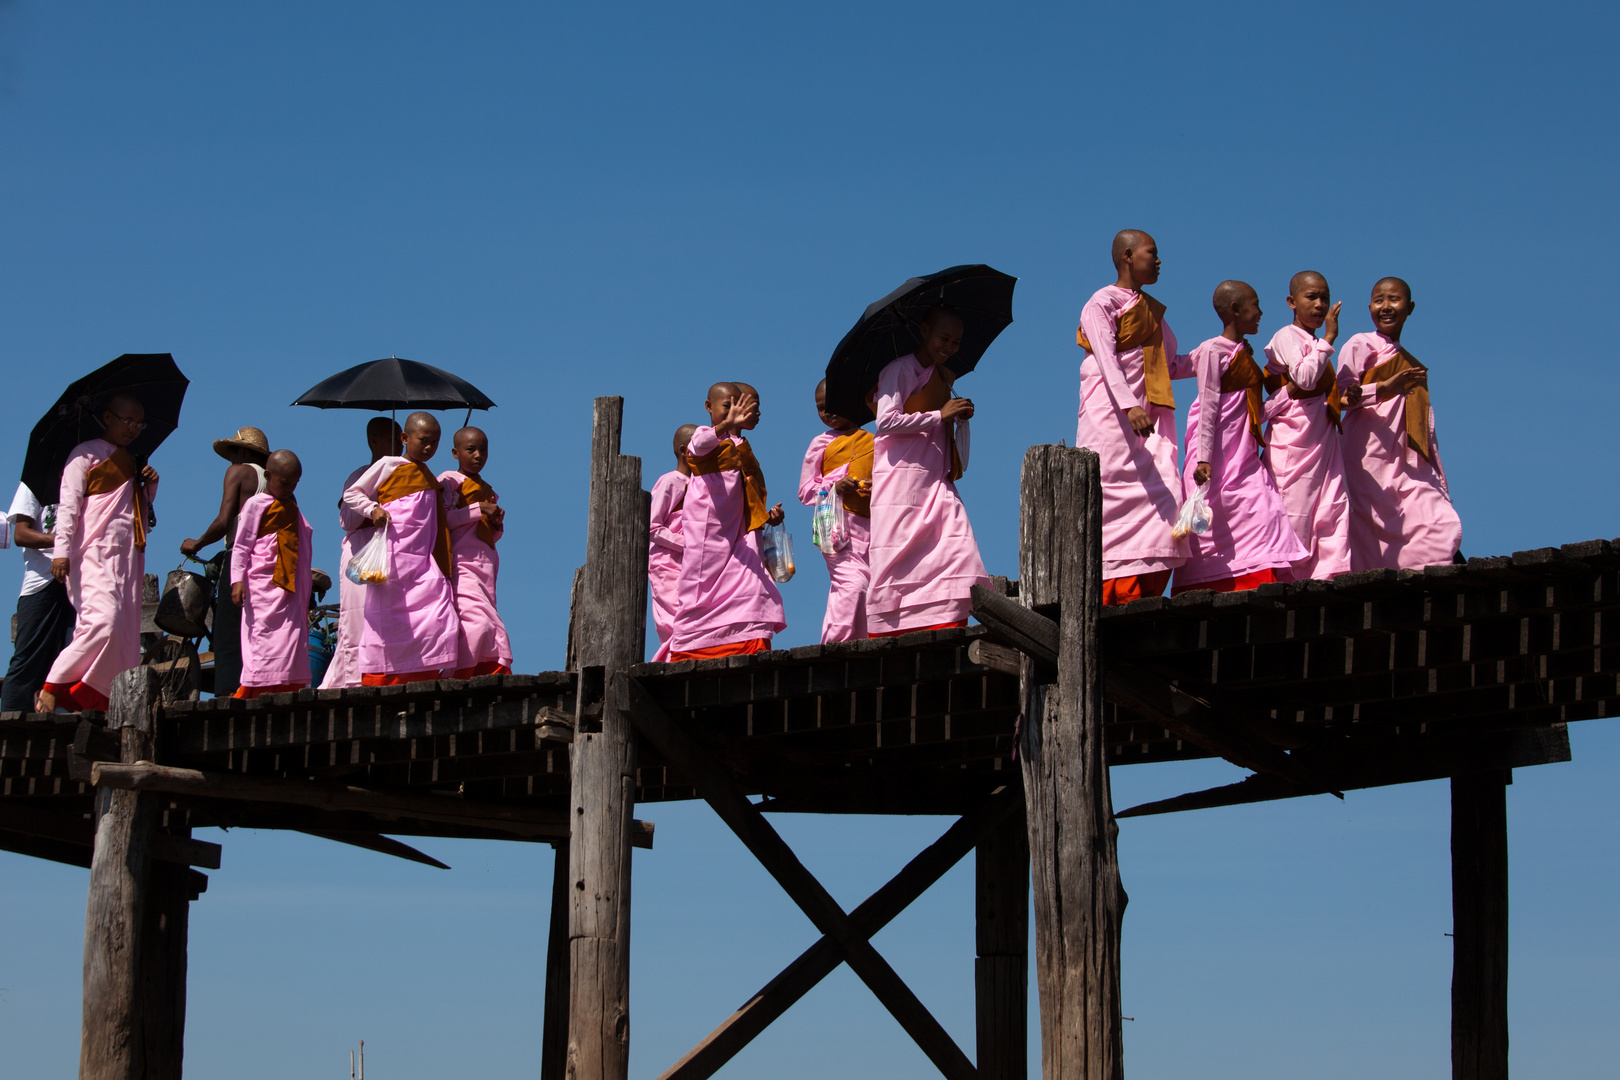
[
  {"x": 1229, "y": 294},
  {"x": 1305, "y": 279},
  {"x": 284, "y": 463},
  {"x": 421, "y": 421},
  {"x": 683, "y": 437},
  {"x": 1136, "y": 258},
  {"x": 1127, "y": 240},
  {"x": 942, "y": 315},
  {"x": 421, "y": 439},
  {"x": 121, "y": 402},
  {"x": 468, "y": 435},
  {"x": 1392, "y": 283},
  {"x": 720, "y": 391}
]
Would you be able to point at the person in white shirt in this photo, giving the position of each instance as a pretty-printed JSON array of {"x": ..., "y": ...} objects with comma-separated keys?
[{"x": 44, "y": 614}]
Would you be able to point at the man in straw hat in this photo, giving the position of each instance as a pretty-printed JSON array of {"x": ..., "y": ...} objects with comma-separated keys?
[{"x": 247, "y": 451}]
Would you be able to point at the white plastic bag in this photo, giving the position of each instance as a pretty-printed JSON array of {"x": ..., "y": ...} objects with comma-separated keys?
[
  {"x": 371, "y": 565},
  {"x": 829, "y": 529},
  {"x": 776, "y": 548},
  {"x": 1195, "y": 517}
]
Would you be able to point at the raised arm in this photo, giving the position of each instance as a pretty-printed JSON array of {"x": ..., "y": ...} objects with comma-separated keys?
[
  {"x": 455, "y": 514},
  {"x": 234, "y": 493},
  {"x": 1353, "y": 362},
  {"x": 893, "y": 388}
]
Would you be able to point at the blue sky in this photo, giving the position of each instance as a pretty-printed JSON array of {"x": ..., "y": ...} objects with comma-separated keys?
[{"x": 562, "y": 201}]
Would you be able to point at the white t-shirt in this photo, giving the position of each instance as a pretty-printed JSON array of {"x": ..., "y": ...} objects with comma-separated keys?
[{"x": 36, "y": 563}]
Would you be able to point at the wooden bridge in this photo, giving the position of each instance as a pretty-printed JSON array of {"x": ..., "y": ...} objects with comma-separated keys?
[{"x": 1465, "y": 671}]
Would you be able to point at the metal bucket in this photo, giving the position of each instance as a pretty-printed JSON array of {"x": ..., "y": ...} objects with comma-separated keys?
[{"x": 183, "y": 610}]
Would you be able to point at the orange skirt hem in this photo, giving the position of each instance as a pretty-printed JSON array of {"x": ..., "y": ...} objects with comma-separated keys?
[{"x": 730, "y": 648}]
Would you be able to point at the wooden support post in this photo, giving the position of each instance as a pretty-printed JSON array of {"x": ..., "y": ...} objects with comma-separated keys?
[
  {"x": 1001, "y": 973},
  {"x": 1079, "y": 902},
  {"x": 554, "y": 1034},
  {"x": 610, "y": 633},
  {"x": 1479, "y": 922}
]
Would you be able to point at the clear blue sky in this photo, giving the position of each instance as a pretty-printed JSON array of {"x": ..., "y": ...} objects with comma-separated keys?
[{"x": 560, "y": 201}]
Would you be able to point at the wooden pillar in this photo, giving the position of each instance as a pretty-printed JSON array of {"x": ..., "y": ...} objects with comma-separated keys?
[
  {"x": 554, "y": 1037},
  {"x": 1079, "y": 902},
  {"x": 1479, "y": 922},
  {"x": 1001, "y": 973},
  {"x": 610, "y": 626},
  {"x": 170, "y": 890}
]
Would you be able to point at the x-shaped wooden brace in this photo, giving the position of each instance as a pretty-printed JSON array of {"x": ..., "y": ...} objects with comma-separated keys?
[{"x": 845, "y": 935}]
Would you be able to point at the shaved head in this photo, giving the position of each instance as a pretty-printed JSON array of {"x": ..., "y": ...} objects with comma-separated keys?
[
  {"x": 941, "y": 313},
  {"x": 1228, "y": 294},
  {"x": 1128, "y": 240},
  {"x": 1304, "y": 279},
  {"x": 821, "y": 387},
  {"x": 461, "y": 437},
  {"x": 380, "y": 427},
  {"x": 683, "y": 436},
  {"x": 1399, "y": 283},
  {"x": 284, "y": 463},
  {"x": 421, "y": 421},
  {"x": 122, "y": 402},
  {"x": 721, "y": 390}
]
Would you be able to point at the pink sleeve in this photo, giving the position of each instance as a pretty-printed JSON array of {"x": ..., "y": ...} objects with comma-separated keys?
[
  {"x": 892, "y": 417},
  {"x": 449, "y": 494},
  {"x": 70, "y": 509},
  {"x": 703, "y": 441},
  {"x": 1208, "y": 362},
  {"x": 664, "y": 497},
  {"x": 350, "y": 520},
  {"x": 1351, "y": 361},
  {"x": 1305, "y": 365},
  {"x": 247, "y": 527},
  {"x": 1180, "y": 364},
  {"x": 361, "y": 496},
  {"x": 1103, "y": 334},
  {"x": 810, "y": 479}
]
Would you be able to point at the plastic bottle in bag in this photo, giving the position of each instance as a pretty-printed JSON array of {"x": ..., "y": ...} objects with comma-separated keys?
[
  {"x": 828, "y": 530},
  {"x": 776, "y": 549}
]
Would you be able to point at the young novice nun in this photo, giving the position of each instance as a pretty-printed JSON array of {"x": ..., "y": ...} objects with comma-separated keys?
[
  {"x": 411, "y": 630},
  {"x": 1250, "y": 539},
  {"x": 664, "y": 542},
  {"x": 923, "y": 556},
  {"x": 100, "y": 553},
  {"x": 382, "y": 436},
  {"x": 271, "y": 559},
  {"x": 476, "y": 523},
  {"x": 727, "y": 604},
  {"x": 841, "y": 458},
  {"x": 1128, "y": 416},
  {"x": 1403, "y": 514},
  {"x": 1302, "y": 441}
]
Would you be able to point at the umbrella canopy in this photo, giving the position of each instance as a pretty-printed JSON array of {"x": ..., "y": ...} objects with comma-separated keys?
[
  {"x": 152, "y": 378},
  {"x": 395, "y": 384},
  {"x": 889, "y": 329}
]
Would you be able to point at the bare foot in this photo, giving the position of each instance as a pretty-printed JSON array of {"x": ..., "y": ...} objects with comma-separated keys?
[{"x": 45, "y": 702}]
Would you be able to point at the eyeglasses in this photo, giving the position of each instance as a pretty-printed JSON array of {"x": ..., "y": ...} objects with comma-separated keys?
[{"x": 133, "y": 425}]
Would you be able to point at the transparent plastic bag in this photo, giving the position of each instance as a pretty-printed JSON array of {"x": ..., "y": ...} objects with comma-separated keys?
[
  {"x": 371, "y": 565},
  {"x": 776, "y": 548},
  {"x": 829, "y": 529},
  {"x": 1196, "y": 516}
]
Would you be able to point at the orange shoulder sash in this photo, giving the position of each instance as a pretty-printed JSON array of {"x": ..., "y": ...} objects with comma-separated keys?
[
  {"x": 113, "y": 473},
  {"x": 1328, "y": 384},
  {"x": 854, "y": 450},
  {"x": 737, "y": 457},
  {"x": 281, "y": 518},
  {"x": 475, "y": 490},
  {"x": 1244, "y": 374},
  {"x": 1142, "y": 324},
  {"x": 408, "y": 479},
  {"x": 1417, "y": 399}
]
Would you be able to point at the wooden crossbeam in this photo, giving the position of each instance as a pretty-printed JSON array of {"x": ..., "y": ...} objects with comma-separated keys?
[
  {"x": 773, "y": 853},
  {"x": 81, "y": 831},
  {"x": 822, "y": 958},
  {"x": 1024, "y": 629},
  {"x": 387, "y": 845}
]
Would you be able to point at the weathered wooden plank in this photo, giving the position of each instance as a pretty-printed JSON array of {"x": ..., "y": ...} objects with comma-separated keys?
[
  {"x": 1479, "y": 907},
  {"x": 387, "y": 845},
  {"x": 1001, "y": 971},
  {"x": 554, "y": 1011}
]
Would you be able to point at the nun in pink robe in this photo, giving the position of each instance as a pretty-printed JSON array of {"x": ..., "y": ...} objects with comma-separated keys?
[
  {"x": 1141, "y": 485},
  {"x": 725, "y": 596},
  {"x": 97, "y": 534},
  {"x": 275, "y": 620},
  {"x": 1250, "y": 531},
  {"x": 1302, "y": 448},
  {"x": 849, "y": 568},
  {"x": 924, "y": 558},
  {"x": 482, "y": 647},
  {"x": 344, "y": 670},
  {"x": 664, "y": 547},
  {"x": 1403, "y": 517},
  {"x": 411, "y": 628}
]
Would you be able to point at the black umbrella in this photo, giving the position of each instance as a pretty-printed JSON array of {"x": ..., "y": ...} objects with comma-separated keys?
[
  {"x": 395, "y": 384},
  {"x": 152, "y": 378},
  {"x": 888, "y": 329}
]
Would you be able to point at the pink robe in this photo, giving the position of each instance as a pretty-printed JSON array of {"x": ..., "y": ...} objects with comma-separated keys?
[
  {"x": 97, "y": 533},
  {"x": 1141, "y": 487},
  {"x": 476, "y": 565},
  {"x": 924, "y": 559},
  {"x": 1302, "y": 448},
  {"x": 344, "y": 669},
  {"x": 1251, "y": 530},
  {"x": 724, "y": 595},
  {"x": 275, "y": 622},
  {"x": 1403, "y": 517},
  {"x": 849, "y": 569},
  {"x": 664, "y": 547},
  {"x": 410, "y": 621}
]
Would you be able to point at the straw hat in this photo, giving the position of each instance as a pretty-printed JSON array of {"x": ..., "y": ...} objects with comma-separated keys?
[{"x": 248, "y": 438}]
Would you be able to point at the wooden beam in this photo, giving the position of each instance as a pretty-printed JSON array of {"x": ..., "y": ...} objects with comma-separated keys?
[
  {"x": 1079, "y": 902},
  {"x": 1011, "y": 622},
  {"x": 554, "y": 1014},
  {"x": 773, "y": 853},
  {"x": 822, "y": 958},
  {"x": 1479, "y": 914},
  {"x": 995, "y": 657},
  {"x": 1001, "y": 972},
  {"x": 74, "y": 829},
  {"x": 609, "y": 635},
  {"x": 387, "y": 845}
]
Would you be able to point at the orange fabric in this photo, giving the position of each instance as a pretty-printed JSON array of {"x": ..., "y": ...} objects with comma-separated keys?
[
  {"x": 735, "y": 457},
  {"x": 931, "y": 398},
  {"x": 1241, "y": 583},
  {"x": 1328, "y": 384},
  {"x": 1122, "y": 590},
  {"x": 488, "y": 667},
  {"x": 397, "y": 678},
  {"x": 281, "y": 518},
  {"x": 475, "y": 490},
  {"x": 112, "y": 474},
  {"x": 854, "y": 450},
  {"x": 1417, "y": 399},
  {"x": 77, "y": 697},
  {"x": 919, "y": 629},
  {"x": 408, "y": 479},
  {"x": 1143, "y": 324},
  {"x": 730, "y": 648},
  {"x": 1244, "y": 374},
  {"x": 248, "y": 693}
]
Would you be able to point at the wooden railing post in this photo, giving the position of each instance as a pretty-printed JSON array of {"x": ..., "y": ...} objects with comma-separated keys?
[
  {"x": 609, "y": 636},
  {"x": 554, "y": 1027},
  {"x": 1079, "y": 902},
  {"x": 1479, "y": 922},
  {"x": 1001, "y": 972}
]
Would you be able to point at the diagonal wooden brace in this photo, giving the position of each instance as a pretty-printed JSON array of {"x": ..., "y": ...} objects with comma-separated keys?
[
  {"x": 775, "y": 856},
  {"x": 822, "y": 958}
]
